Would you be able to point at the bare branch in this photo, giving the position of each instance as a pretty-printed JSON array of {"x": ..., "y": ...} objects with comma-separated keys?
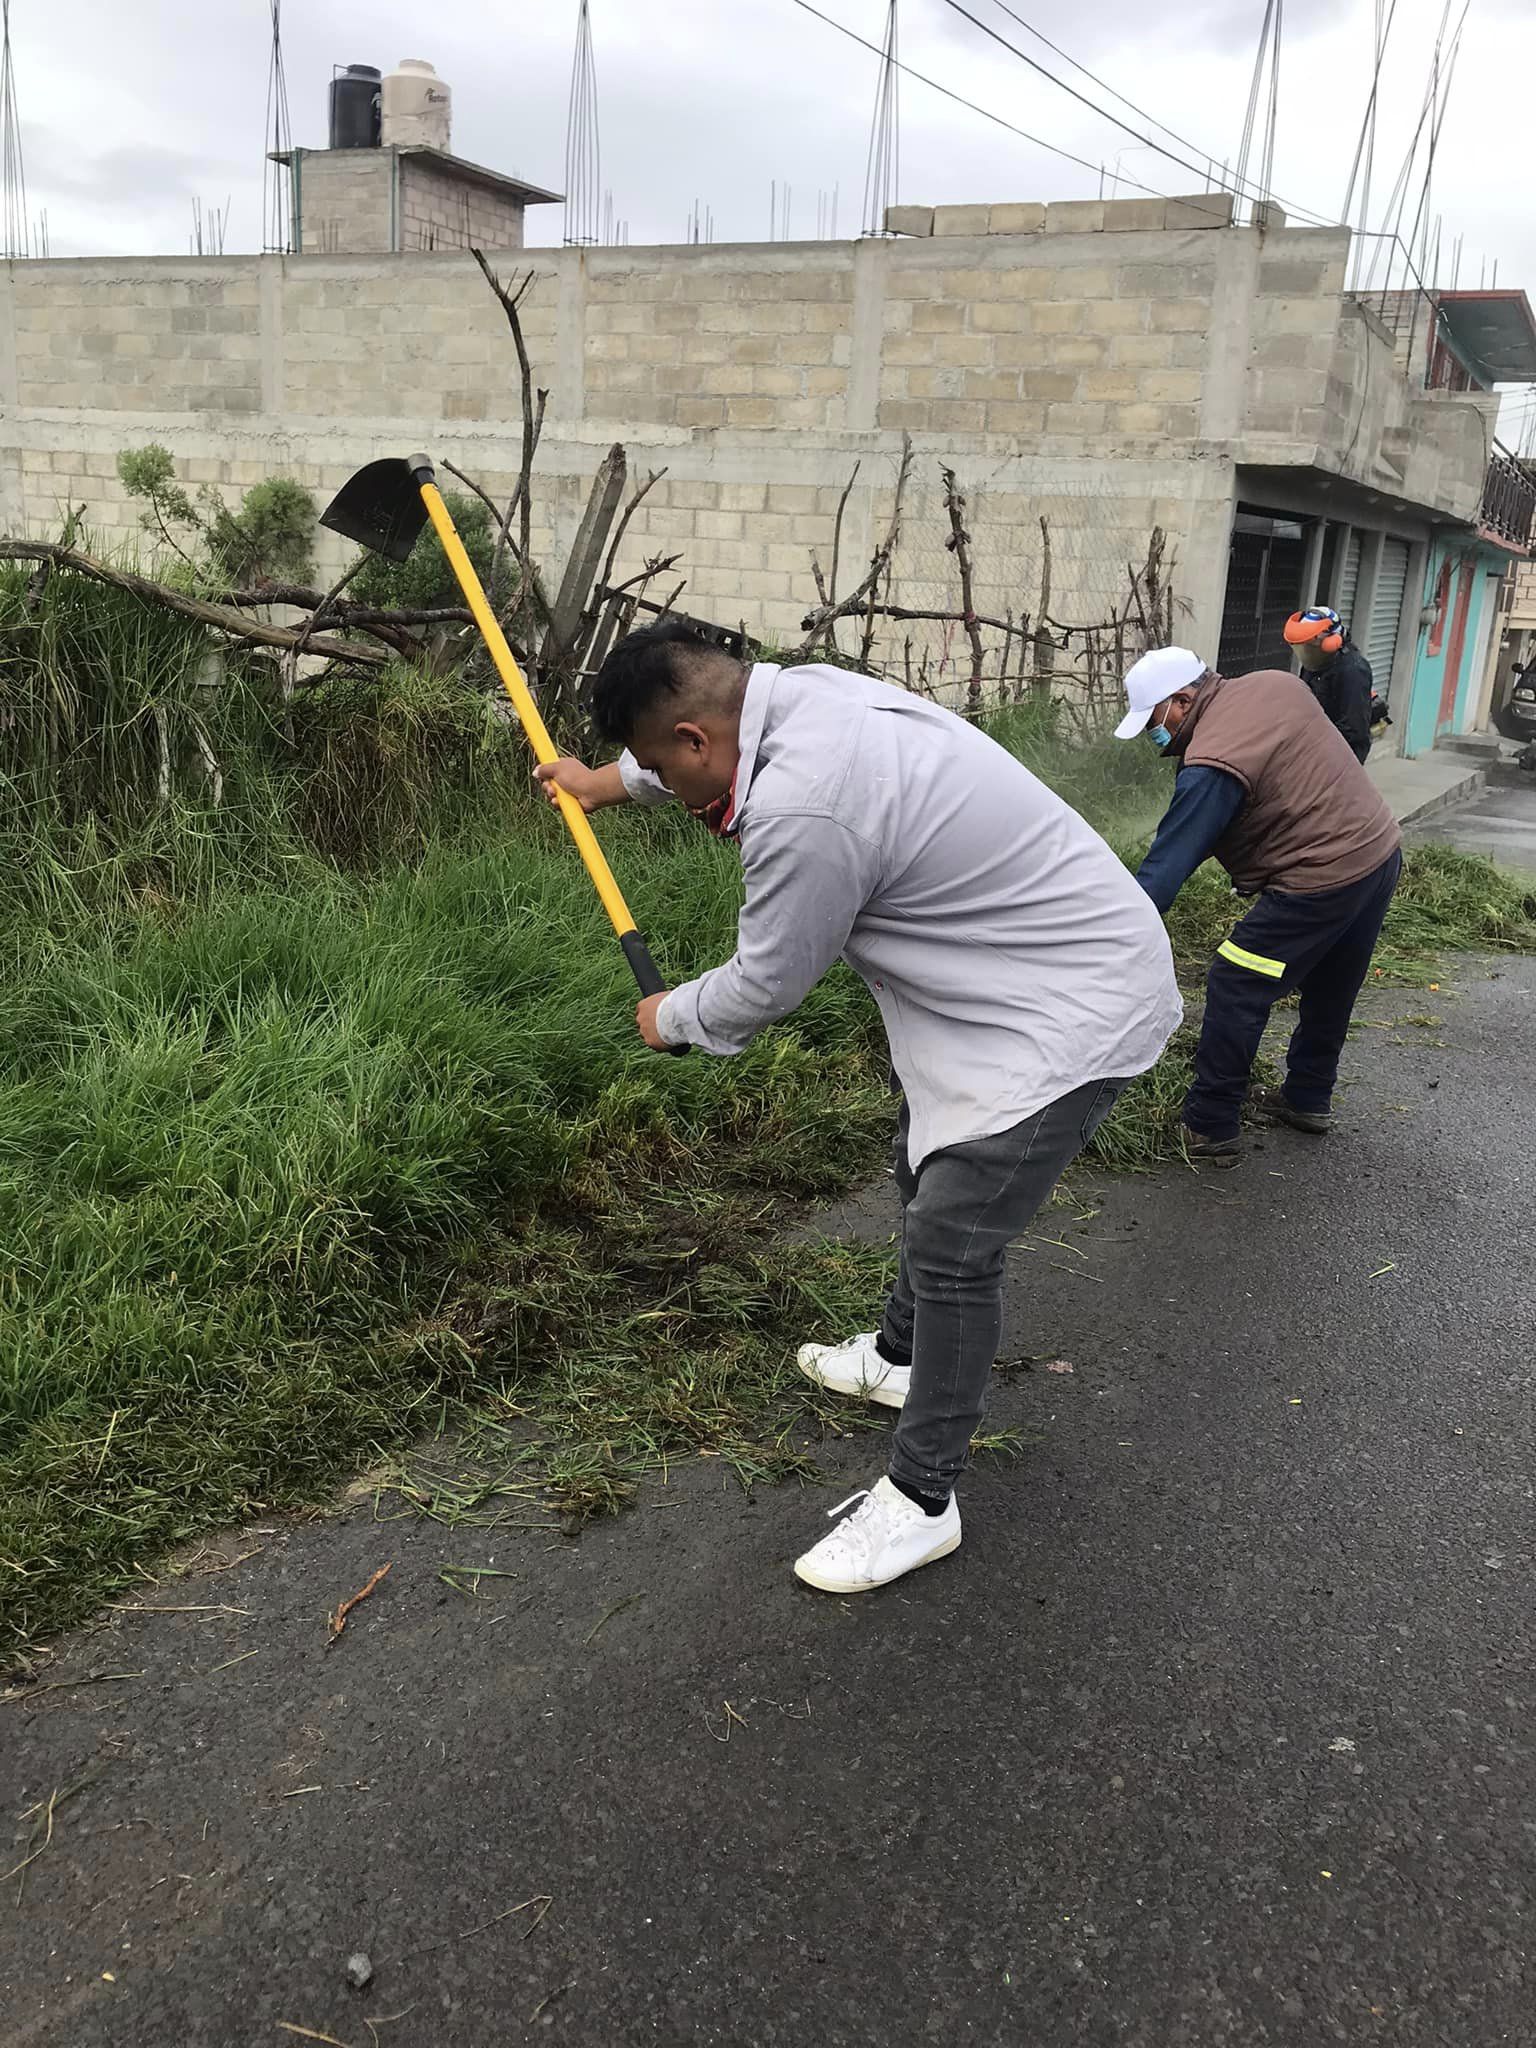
[
  {"x": 959, "y": 545},
  {"x": 510, "y": 301},
  {"x": 864, "y": 598},
  {"x": 221, "y": 618},
  {"x": 625, "y": 516}
]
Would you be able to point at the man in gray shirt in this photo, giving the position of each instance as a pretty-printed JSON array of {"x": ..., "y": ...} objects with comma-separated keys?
[{"x": 1022, "y": 975}]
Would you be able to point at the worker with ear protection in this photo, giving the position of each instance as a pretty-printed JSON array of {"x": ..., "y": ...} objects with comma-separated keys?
[
  {"x": 1269, "y": 787},
  {"x": 1336, "y": 672}
]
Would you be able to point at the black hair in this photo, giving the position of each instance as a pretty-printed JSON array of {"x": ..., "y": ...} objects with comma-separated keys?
[{"x": 655, "y": 662}]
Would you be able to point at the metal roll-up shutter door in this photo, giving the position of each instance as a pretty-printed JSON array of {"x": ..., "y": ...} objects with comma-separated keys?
[
  {"x": 1380, "y": 643},
  {"x": 1343, "y": 598}
]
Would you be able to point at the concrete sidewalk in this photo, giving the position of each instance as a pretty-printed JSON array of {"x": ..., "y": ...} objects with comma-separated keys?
[{"x": 1432, "y": 782}]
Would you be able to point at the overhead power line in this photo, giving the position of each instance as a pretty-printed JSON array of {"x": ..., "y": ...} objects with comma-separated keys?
[
  {"x": 1240, "y": 188},
  {"x": 1103, "y": 84},
  {"x": 986, "y": 113}
]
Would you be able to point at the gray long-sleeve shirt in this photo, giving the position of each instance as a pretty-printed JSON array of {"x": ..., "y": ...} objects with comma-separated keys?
[{"x": 1012, "y": 956}]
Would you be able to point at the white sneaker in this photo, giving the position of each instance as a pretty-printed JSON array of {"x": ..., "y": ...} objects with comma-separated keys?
[
  {"x": 885, "y": 1537},
  {"x": 856, "y": 1368}
]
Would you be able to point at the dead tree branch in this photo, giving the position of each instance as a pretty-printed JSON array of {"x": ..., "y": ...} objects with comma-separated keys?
[
  {"x": 222, "y": 618},
  {"x": 959, "y": 545},
  {"x": 863, "y": 599},
  {"x": 533, "y": 417}
]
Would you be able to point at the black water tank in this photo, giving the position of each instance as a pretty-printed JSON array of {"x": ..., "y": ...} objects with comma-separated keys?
[{"x": 355, "y": 107}]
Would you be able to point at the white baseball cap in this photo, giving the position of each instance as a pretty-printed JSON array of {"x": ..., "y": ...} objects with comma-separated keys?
[{"x": 1157, "y": 676}]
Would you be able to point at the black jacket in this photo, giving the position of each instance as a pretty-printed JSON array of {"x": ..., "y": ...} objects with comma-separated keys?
[{"x": 1343, "y": 687}]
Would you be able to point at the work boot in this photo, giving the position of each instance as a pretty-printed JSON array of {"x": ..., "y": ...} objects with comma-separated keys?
[
  {"x": 1271, "y": 1102},
  {"x": 856, "y": 1368},
  {"x": 884, "y": 1538},
  {"x": 1201, "y": 1149}
]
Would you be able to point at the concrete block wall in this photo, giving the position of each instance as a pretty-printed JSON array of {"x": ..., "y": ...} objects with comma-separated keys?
[
  {"x": 1104, "y": 369},
  {"x": 439, "y": 210},
  {"x": 343, "y": 200}
]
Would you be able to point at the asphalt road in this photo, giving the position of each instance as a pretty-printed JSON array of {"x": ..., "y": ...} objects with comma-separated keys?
[
  {"x": 1217, "y": 1730},
  {"x": 1500, "y": 822}
]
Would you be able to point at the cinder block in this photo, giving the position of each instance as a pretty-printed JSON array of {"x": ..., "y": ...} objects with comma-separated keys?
[
  {"x": 1020, "y": 219},
  {"x": 905, "y": 415},
  {"x": 1120, "y": 316},
  {"x": 935, "y": 316},
  {"x": 991, "y": 384},
  {"x": 1179, "y": 316},
  {"x": 1074, "y": 419},
  {"x": 961, "y": 220},
  {"x": 1283, "y": 278},
  {"x": 1200, "y": 210},
  {"x": 1015, "y": 417},
  {"x": 1077, "y": 351},
  {"x": 743, "y": 498},
  {"x": 1074, "y": 217},
  {"x": 957, "y": 416},
  {"x": 750, "y": 412},
  {"x": 1027, "y": 281},
  {"x": 1143, "y": 420},
  {"x": 1050, "y": 385},
  {"x": 1142, "y": 351},
  {"x": 1126, "y": 216},
  {"x": 909, "y": 220},
  {"x": 1060, "y": 316},
  {"x": 1170, "y": 387},
  {"x": 1004, "y": 316},
  {"x": 1119, "y": 387}
]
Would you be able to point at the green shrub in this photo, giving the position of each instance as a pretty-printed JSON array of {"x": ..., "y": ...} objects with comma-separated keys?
[{"x": 425, "y": 582}]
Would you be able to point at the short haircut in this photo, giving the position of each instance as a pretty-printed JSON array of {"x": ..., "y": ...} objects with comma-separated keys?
[{"x": 676, "y": 658}]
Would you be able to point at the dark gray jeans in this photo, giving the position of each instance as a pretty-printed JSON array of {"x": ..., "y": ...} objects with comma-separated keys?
[{"x": 960, "y": 1213}]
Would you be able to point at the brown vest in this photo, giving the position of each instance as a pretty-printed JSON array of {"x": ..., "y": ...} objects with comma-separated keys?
[{"x": 1314, "y": 819}]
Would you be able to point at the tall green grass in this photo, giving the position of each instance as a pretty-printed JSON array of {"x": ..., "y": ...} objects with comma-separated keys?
[{"x": 322, "y": 1110}]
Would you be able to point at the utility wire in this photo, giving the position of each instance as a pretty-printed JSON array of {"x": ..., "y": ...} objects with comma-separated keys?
[
  {"x": 1198, "y": 170},
  {"x": 1103, "y": 83},
  {"x": 971, "y": 106}
]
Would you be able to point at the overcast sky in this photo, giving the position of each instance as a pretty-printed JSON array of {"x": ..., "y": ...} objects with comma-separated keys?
[{"x": 131, "y": 112}]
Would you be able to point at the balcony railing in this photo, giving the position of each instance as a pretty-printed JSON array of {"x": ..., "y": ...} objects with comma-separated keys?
[{"x": 1509, "y": 500}]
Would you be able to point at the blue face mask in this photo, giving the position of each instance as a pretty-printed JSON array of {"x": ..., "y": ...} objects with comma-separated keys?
[{"x": 1160, "y": 736}]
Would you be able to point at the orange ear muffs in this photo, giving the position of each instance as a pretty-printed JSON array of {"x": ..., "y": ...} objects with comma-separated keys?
[{"x": 1319, "y": 625}]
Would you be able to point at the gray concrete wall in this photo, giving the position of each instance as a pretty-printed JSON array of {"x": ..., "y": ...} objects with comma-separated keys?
[{"x": 1093, "y": 370}]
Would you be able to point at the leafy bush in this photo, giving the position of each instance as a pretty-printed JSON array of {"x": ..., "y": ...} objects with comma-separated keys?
[
  {"x": 425, "y": 582},
  {"x": 271, "y": 537}
]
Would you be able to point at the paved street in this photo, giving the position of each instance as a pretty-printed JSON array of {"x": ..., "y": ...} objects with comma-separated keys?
[
  {"x": 1500, "y": 823},
  {"x": 1217, "y": 1730}
]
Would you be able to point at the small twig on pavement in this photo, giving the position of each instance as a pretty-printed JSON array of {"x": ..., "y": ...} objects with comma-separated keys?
[
  {"x": 22, "y": 1693},
  {"x": 618, "y": 1607},
  {"x": 549, "y": 1999},
  {"x": 339, "y": 1618},
  {"x": 309, "y": 2034},
  {"x": 543, "y": 1900}
]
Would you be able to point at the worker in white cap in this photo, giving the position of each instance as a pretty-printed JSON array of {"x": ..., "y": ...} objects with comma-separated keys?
[{"x": 1268, "y": 786}]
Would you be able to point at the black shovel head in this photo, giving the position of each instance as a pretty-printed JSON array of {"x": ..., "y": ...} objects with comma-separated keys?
[{"x": 381, "y": 508}]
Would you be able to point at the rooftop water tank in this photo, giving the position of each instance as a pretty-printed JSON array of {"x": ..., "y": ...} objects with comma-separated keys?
[
  {"x": 355, "y": 107},
  {"x": 417, "y": 106}
]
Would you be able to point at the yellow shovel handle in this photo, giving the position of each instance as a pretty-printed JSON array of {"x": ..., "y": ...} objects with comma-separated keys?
[{"x": 522, "y": 699}]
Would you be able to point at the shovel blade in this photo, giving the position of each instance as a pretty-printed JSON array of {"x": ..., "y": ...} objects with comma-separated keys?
[{"x": 380, "y": 508}]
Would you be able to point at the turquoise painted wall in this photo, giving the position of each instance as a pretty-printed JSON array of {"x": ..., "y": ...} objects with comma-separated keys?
[{"x": 1439, "y": 643}]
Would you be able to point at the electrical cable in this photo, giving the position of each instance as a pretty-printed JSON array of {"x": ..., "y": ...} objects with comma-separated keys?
[{"x": 1197, "y": 170}]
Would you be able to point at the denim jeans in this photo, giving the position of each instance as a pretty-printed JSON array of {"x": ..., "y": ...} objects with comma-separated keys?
[{"x": 960, "y": 1212}]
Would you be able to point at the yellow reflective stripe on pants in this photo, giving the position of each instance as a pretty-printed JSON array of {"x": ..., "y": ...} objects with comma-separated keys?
[{"x": 1275, "y": 969}]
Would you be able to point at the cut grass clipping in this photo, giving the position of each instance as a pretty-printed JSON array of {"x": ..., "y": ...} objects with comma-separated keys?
[{"x": 322, "y": 1115}]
